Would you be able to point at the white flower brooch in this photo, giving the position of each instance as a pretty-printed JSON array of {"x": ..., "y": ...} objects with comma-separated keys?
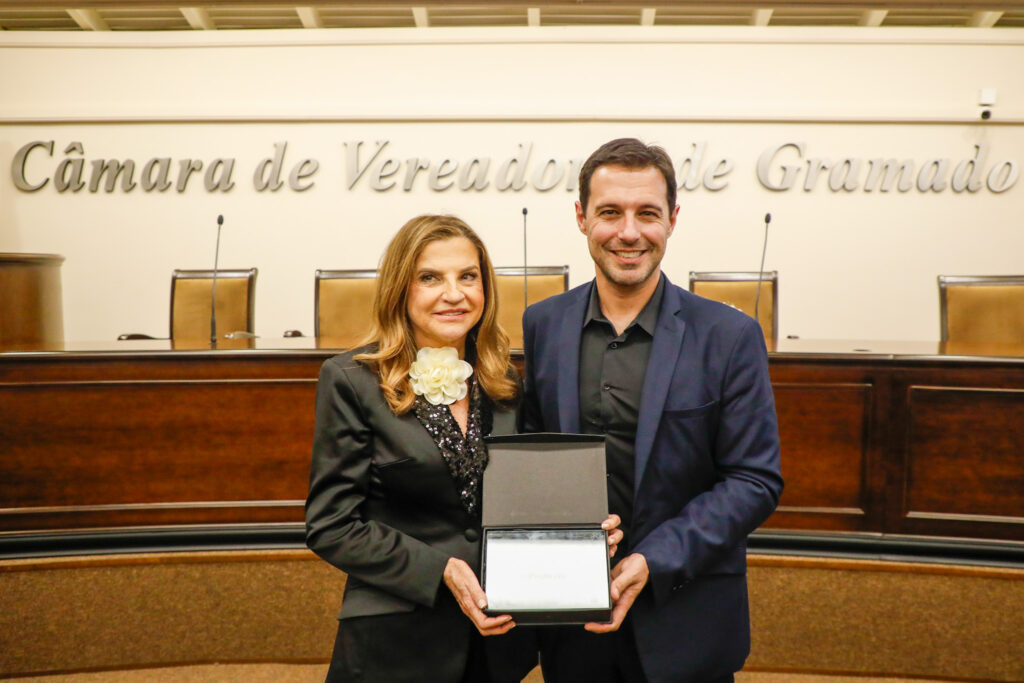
[{"x": 439, "y": 376}]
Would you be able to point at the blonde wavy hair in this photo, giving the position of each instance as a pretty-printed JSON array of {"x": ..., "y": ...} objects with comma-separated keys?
[{"x": 392, "y": 334}]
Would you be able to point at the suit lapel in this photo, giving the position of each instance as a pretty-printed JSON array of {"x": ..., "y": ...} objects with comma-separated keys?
[
  {"x": 665, "y": 348},
  {"x": 569, "y": 362}
]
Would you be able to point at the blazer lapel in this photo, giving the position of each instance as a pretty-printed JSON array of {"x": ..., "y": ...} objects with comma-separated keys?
[
  {"x": 569, "y": 362},
  {"x": 665, "y": 348}
]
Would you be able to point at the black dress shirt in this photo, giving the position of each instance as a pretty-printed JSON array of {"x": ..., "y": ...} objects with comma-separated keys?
[{"x": 612, "y": 368}]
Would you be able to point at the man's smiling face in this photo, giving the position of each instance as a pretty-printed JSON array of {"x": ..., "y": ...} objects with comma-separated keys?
[{"x": 627, "y": 222}]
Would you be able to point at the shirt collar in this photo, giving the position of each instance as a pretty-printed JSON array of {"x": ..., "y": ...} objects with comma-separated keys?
[{"x": 647, "y": 319}]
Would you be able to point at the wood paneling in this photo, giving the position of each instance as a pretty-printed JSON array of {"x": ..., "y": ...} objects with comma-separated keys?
[
  {"x": 936, "y": 437},
  {"x": 964, "y": 464},
  {"x": 824, "y": 430},
  {"x": 148, "y": 435},
  {"x": 155, "y": 437},
  {"x": 70, "y": 447}
]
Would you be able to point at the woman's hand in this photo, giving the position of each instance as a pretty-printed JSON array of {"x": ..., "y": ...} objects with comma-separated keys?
[
  {"x": 615, "y": 535},
  {"x": 463, "y": 584}
]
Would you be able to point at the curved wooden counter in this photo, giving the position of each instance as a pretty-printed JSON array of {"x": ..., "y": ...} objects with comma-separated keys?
[
  {"x": 877, "y": 437},
  {"x": 889, "y": 451}
]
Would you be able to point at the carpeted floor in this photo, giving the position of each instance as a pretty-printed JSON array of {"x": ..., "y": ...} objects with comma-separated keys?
[{"x": 314, "y": 673}]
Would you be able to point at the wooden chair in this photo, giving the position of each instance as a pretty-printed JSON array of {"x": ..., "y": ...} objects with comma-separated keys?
[
  {"x": 31, "y": 308},
  {"x": 739, "y": 290},
  {"x": 981, "y": 308},
  {"x": 343, "y": 303},
  {"x": 191, "y": 292},
  {"x": 540, "y": 282}
]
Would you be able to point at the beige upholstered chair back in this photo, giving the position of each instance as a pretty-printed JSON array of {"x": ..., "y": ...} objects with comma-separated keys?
[
  {"x": 982, "y": 308},
  {"x": 191, "y": 297},
  {"x": 344, "y": 303},
  {"x": 540, "y": 283},
  {"x": 739, "y": 290}
]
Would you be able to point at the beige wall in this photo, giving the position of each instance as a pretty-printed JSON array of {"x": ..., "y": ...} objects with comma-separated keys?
[{"x": 852, "y": 264}]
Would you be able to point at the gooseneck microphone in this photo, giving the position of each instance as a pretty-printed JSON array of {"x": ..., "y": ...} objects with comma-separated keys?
[
  {"x": 760, "y": 271},
  {"x": 213, "y": 290},
  {"x": 525, "y": 284}
]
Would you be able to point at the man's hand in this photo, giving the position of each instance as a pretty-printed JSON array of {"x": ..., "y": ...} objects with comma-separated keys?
[
  {"x": 611, "y": 525},
  {"x": 463, "y": 584},
  {"x": 629, "y": 577}
]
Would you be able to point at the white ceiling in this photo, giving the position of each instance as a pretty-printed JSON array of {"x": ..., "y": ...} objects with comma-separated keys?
[{"x": 161, "y": 15}]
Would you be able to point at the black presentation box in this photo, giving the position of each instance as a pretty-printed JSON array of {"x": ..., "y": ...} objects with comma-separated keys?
[{"x": 545, "y": 556}]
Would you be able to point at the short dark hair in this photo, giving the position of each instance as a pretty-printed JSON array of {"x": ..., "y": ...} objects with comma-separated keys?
[{"x": 632, "y": 154}]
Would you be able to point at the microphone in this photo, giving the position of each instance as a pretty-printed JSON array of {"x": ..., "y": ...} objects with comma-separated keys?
[
  {"x": 760, "y": 272},
  {"x": 213, "y": 290},
  {"x": 525, "y": 284}
]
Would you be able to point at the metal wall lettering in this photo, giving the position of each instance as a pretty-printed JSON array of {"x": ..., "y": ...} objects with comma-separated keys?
[
  {"x": 114, "y": 174},
  {"x": 267, "y": 174},
  {"x": 779, "y": 168}
]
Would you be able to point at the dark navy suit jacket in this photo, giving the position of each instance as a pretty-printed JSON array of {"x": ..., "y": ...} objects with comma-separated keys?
[{"x": 707, "y": 468}]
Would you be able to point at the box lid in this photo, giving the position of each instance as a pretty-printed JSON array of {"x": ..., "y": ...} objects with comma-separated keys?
[{"x": 545, "y": 479}]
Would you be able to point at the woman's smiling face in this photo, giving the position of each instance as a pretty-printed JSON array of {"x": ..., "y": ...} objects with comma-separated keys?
[{"x": 446, "y": 295}]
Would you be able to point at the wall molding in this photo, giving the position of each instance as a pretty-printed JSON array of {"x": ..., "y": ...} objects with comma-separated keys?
[
  {"x": 955, "y": 116},
  {"x": 648, "y": 35}
]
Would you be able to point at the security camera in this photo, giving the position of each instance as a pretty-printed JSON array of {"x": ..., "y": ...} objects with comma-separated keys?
[{"x": 986, "y": 114}]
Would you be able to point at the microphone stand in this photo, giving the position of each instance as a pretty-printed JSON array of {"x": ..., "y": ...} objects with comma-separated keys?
[
  {"x": 526, "y": 300},
  {"x": 213, "y": 290},
  {"x": 760, "y": 272}
]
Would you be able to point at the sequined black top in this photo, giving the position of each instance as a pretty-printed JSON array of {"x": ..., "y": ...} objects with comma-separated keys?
[{"x": 466, "y": 456}]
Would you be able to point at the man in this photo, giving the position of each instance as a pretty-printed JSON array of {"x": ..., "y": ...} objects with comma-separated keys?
[{"x": 680, "y": 387}]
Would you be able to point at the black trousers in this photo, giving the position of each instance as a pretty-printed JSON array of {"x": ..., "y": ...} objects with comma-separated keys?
[
  {"x": 570, "y": 654},
  {"x": 428, "y": 644}
]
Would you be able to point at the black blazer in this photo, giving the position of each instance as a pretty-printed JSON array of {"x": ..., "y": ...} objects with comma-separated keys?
[{"x": 382, "y": 506}]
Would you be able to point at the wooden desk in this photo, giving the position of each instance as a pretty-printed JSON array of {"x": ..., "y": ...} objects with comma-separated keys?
[
  {"x": 901, "y": 438},
  {"x": 877, "y": 437}
]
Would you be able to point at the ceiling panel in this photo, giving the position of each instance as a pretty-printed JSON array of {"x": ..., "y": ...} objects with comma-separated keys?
[
  {"x": 348, "y": 16},
  {"x": 477, "y": 15},
  {"x": 166, "y": 15},
  {"x": 37, "y": 20},
  {"x": 264, "y": 17},
  {"x": 815, "y": 16},
  {"x": 921, "y": 17},
  {"x": 716, "y": 15},
  {"x": 1012, "y": 19},
  {"x": 145, "y": 19}
]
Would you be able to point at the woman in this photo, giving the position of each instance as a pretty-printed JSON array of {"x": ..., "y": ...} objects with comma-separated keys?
[
  {"x": 398, "y": 456},
  {"x": 382, "y": 505}
]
